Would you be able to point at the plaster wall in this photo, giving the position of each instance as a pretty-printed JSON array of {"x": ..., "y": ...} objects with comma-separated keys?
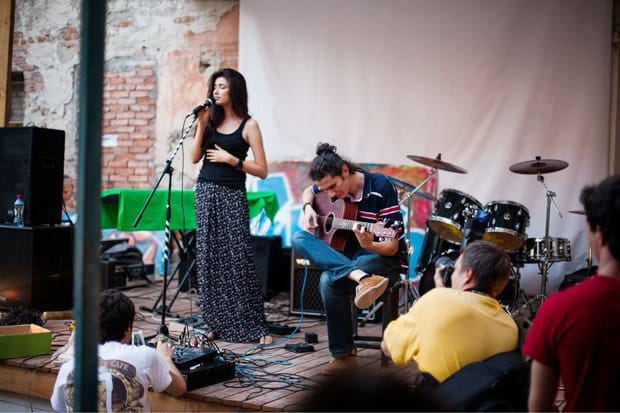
[{"x": 171, "y": 45}]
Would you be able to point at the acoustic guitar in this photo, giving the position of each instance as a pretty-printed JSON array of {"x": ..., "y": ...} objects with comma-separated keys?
[{"x": 337, "y": 217}]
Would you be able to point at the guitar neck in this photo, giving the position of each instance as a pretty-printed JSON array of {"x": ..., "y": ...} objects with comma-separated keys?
[{"x": 348, "y": 224}]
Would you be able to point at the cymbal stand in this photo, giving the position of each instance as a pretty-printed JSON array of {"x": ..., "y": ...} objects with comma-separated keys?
[
  {"x": 589, "y": 259},
  {"x": 432, "y": 173},
  {"x": 415, "y": 294},
  {"x": 550, "y": 195},
  {"x": 544, "y": 264}
]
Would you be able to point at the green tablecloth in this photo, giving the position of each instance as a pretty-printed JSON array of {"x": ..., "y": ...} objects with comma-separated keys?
[{"x": 120, "y": 207}]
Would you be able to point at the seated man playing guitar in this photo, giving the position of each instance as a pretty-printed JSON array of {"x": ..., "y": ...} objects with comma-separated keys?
[{"x": 344, "y": 237}]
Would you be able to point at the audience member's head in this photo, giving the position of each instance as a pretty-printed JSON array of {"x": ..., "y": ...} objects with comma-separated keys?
[
  {"x": 362, "y": 390},
  {"x": 116, "y": 314},
  {"x": 489, "y": 264},
  {"x": 602, "y": 205}
]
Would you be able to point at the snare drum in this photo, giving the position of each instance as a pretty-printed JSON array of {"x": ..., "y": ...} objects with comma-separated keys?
[
  {"x": 448, "y": 217},
  {"x": 507, "y": 223},
  {"x": 551, "y": 249}
]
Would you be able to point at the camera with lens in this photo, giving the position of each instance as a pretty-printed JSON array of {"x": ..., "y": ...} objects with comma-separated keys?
[{"x": 448, "y": 264}]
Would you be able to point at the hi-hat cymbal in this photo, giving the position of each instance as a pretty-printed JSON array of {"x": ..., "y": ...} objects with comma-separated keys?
[
  {"x": 577, "y": 211},
  {"x": 404, "y": 188},
  {"x": 437, "y": 163},
  {"x": 538, "y": 166}
]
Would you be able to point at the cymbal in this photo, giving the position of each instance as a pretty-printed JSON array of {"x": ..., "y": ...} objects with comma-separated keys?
[
  {"x": 577, "y": 211},
  {"x": 403, "y": 188},
  {"x": 437, "y": 163},
  {"x": 538, "y": 166}
]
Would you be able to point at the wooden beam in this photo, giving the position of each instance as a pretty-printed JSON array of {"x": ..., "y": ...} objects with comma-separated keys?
[
  {"x": 27, "y": 382},
  {"x": 40, "y": 384},
  {"x": 7, "y": 10}
]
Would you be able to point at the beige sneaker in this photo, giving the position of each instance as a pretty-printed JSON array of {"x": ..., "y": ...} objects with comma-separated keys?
[
  {"x": 336, "y": 365},
  {"x": 369, "y": 289}
]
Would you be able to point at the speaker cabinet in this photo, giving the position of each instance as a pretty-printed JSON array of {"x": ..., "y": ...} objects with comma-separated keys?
[
  {"x": 37, "y": 267},
  {"x": 311, "y": 302},
  {"x": 267, "y": 252},
  {"x": 32, "y": 164}
]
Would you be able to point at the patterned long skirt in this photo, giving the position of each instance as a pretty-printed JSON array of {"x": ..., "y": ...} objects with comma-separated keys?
[{"x": 228, "y": 286}]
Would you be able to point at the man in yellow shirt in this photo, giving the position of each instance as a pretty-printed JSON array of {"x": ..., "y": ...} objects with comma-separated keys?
[{"x": 449, "y": 328}]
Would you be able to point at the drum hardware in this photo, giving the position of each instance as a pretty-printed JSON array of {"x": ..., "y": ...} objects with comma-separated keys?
[
  {"x": 476, "y": 220},
  {"x": 577, "y": 211},
  {"x": 437, "y": 163},
  {"x": 409, "y": 190},
  {"x": 589, "y": 259},
  {"x": 538, "y": 167}
]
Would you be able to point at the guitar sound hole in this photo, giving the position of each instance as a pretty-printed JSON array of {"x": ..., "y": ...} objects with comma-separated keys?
[{"x": 329, "y": 222}]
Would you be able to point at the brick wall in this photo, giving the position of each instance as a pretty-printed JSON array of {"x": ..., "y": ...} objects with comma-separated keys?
[{"x": 128, "y": 128}]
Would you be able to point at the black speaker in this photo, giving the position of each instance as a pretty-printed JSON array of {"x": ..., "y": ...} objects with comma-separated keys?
[
  {"x": 266, "y": 251},
  {"x": 37, "y": 267},
  {"x": 32, "y": 164},
  {"x": 311, "y": 302}
]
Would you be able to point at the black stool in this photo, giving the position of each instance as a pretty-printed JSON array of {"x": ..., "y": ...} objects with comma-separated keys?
[{"x": 390, "y": 312}]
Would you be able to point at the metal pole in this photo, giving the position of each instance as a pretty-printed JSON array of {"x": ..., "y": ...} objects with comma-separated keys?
[{"x": 87, "y": 277}]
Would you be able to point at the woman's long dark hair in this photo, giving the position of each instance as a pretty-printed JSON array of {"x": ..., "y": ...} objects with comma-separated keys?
[{"x": 238, "y": 93}]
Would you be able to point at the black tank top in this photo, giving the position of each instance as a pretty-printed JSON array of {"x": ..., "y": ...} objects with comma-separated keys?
[{"x": 223, "y": 173}]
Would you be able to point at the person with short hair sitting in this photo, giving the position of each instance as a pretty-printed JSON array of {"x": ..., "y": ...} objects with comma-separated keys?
[
  {"x": 125, "y": 371},
  {"x": 451, "y": 327}
]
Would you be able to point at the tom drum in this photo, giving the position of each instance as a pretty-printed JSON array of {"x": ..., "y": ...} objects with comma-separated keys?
[
  {"x": 448, "y": 218},
  {"x": 507, "y": 223}
]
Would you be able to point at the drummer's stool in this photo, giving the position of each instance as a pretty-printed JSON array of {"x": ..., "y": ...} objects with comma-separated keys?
[{"x": 390, "y": 300}]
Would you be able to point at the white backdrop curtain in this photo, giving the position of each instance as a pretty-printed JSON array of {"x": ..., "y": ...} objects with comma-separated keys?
[{"x": 486, "y": 83}]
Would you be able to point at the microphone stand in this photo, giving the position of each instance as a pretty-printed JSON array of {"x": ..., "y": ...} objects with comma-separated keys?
[{"x": 163, "y": 332}]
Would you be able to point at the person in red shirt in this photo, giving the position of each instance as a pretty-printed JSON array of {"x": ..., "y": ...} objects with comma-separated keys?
[{"x": 575, "y": 336}]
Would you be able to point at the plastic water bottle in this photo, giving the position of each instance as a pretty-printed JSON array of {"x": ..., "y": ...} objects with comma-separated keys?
[{"x": 18, "y": 211}]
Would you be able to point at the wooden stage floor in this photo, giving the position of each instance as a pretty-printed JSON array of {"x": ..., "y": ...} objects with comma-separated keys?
[{"x": 266, "y": 379}]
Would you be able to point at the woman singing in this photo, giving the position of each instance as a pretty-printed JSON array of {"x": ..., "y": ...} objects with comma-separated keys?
[{"x": 229, "y": 289}]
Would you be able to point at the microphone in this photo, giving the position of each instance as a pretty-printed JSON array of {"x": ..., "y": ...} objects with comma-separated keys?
[{"x": 206, "y": 104}]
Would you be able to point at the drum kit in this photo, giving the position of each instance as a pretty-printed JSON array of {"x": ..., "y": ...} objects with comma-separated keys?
[{"x": 458, "y": 218}]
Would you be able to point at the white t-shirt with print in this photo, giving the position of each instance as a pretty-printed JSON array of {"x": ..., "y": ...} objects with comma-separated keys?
[{"x": 125, "y": 374}]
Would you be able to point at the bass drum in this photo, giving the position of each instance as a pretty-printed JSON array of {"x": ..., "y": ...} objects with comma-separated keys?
[
  {"x": 433, "y": 247},
  {"x": 509, "y": 295}
]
